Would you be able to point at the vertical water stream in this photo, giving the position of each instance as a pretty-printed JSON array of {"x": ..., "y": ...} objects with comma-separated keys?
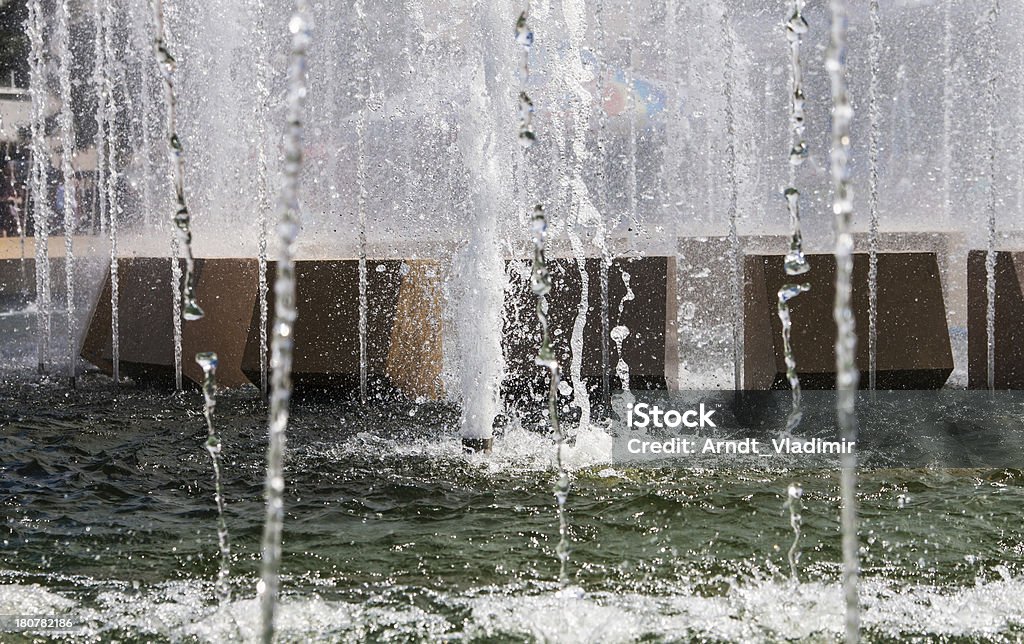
[
  {"x": 182, "y": 219},
  {"x": 70, "y": 201},
  {"x": 847, "y": 374},
  {"x": 285, "y": 314},
  {"x": 40, "y": 203},
  {"x": 208, "y": 361}
]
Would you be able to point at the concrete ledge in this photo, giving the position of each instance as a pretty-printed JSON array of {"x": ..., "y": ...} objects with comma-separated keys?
[
  {"x": 913, "y": 351},
  {"x": 1009, "y": 331}
]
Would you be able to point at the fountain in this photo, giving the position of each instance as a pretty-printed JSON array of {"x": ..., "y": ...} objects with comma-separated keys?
[{"x": 504, "y": 235}]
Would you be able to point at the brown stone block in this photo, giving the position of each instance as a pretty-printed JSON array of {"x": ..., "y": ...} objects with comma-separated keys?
[
  {"x": 403, "y": 327},
  {"x": 1009, "y": 327},
  {"x": 913, "y": 340},
  {"x": 226, "y": 289}
]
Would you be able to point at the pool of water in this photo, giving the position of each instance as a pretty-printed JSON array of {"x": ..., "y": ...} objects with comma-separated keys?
[{"x": 392, "y": 533}]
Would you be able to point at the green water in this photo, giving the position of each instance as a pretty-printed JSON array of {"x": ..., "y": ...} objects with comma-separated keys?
[{"x": 392, "y": 534}]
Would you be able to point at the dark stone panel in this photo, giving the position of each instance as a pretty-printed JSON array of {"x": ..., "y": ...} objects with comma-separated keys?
[{"x": 913, "y": 350}]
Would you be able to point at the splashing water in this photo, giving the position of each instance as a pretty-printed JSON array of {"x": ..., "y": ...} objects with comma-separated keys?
[
  {"x": 182, "y": 220},
  {"x": 208, "y": 361},
  {"x": 40, "y": 204},
  {"x": 847, "y": 374},
  {"x": 70, "y": 201},
  {"x": 285, "y": 315},
  {"x": 786, "y": 293},
  {"x": 794, "y": 504},
  {"x": 110, "y": 119},
  {"x": 991, "y": 100}
]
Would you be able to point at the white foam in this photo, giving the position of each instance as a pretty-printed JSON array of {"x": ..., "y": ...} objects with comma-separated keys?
[{"x": 751, "y": 610}]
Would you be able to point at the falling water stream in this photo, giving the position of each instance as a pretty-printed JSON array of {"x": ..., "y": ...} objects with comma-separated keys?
[
  {"x": 70, "y": 200},
  {"x": 847, "y": 374},
  {"x": 114, "y": 208},
  {"x": 100, "y": 87},
  {"x": 948, "y": 80},
  {"x": 261, "y": 115},
  {"x": 181, "y": 220},
  {"x": 618, "y": 335},
  {"x": 285, "y": 314},
  {"x": 364, "y": 91},
  {"x": 600, "y": 166},
  {"x": 795, "y": 262},
  {"x": 144, "y": 121},
  {"x": 735, "y": 251},
  {"x": 786, "y": 293},
  {"x": 208, "y": 361},
  {"x": 581, "y": 211},
  {"x": 40, "y": 203},
  {"x": 540, "y": 282},
  {"x": 176, "y": 307},
  {"x": 874, "y": 116},
  {"x": 991, "y": 99}
]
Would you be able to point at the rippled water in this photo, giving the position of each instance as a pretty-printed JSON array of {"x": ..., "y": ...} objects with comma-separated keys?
[{"x": 392, "y": 533}]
